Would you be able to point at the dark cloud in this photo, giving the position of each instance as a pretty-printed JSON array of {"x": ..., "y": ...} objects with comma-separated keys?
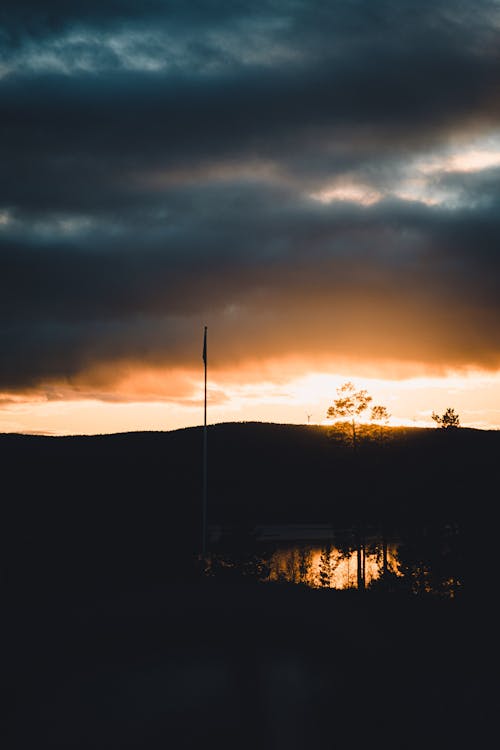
[
  {"x": 20, "y": 20},
  {"x": 162, "y": 165}
]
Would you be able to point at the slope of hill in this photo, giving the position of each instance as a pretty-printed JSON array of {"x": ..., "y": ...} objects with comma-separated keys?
[{"x": 127, "y": 505}]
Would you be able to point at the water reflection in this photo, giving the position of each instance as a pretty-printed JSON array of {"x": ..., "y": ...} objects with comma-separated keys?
[
  {"x": 331, "y": 567},
  {"x": 429, "y": 559}
]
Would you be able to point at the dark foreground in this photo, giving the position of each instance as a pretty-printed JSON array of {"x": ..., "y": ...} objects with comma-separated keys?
[
  {"x": 251, "y": 666},
  {"x": 197, "y": 664}
]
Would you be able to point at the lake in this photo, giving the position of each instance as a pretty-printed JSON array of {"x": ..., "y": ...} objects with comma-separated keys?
[{"x": 424, "y": 561}]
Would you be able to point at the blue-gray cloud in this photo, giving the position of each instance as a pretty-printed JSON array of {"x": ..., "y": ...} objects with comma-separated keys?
[{"x": 162, "y": 165}]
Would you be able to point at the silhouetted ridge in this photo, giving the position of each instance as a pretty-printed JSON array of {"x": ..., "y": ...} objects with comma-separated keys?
[{"x": 86, "y": 510}]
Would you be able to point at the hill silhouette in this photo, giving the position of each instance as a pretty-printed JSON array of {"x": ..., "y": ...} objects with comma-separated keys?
[{"x": 127, "y": 507}]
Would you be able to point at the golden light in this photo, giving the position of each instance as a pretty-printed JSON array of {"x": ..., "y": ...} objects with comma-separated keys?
[
  {"x": 157, "y": 399},
  {"x": 286, "y": 563}
]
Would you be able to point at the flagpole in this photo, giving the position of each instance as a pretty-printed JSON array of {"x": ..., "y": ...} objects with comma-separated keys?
[{"x": 204, "y": 529}]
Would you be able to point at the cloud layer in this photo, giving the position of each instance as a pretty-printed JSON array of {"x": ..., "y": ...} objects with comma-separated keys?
[{"x": 310, "y": 179}]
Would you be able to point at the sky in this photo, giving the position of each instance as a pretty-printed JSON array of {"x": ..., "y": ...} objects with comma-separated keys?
[{"x": 316, "y": 182}]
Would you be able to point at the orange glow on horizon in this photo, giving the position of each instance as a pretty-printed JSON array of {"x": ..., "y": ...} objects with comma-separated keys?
[{"x": 282, "y": 392}]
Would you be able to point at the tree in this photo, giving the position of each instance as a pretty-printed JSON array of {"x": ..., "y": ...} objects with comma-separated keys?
[
  {"x": 379, "y": 414},
  {"x": 328, "y": 563},
  {"x": 349, "y": 405},
  {"x": 448, "y": 419},
  {"x": 325, "y": 566},
  {"x": 304, "y": 564}
]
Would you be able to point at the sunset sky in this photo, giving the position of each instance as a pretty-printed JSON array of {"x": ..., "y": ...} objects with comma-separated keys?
[{"x": 317, "y": 182}]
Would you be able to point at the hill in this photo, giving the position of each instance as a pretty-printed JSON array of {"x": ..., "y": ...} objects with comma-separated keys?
[
  {"x": 129, "y": 505},
  {"x": 113, "y": 649}
]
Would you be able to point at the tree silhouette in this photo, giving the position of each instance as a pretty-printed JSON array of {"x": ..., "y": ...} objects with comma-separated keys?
[
  {"x": 448, "y": 419},
  {"x": 380, "y": 415},
  {"x": 328, "y": 563},
  {"x": 325, "y": 566},
  {"x": 349, "y": 405},
  {"x": 304, "y": 564}
]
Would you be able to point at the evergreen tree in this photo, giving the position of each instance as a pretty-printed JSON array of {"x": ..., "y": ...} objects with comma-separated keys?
[
  {"x": 325, "y": 566},
  {"x": 304, "y": 564},
  {"x": 449, "y": 419}
]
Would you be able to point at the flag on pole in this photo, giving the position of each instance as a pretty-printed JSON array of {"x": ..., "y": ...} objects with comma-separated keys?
[{"x": 205, "y": 346}]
